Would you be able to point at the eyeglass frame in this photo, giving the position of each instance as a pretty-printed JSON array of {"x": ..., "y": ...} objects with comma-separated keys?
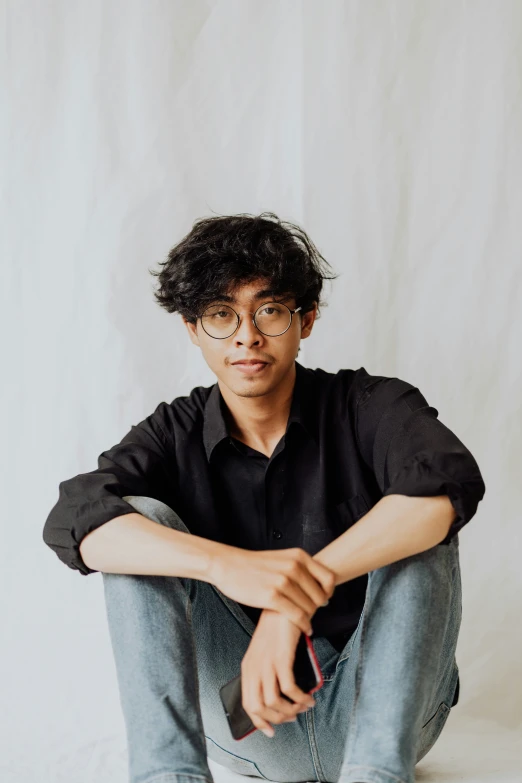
[{"x": 292, "y": 313}]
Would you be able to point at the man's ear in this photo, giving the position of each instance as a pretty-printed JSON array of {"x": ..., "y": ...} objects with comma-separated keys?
[
  {"x": 192, "y": 330},
  {"x": 307, "y": 322}
]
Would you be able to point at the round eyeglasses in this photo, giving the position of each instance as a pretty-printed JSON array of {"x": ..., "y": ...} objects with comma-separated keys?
[{"x": 271, "y": 318}]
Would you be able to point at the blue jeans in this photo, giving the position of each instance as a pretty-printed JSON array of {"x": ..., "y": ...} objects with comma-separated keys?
[{"x": 384, "y": 702}]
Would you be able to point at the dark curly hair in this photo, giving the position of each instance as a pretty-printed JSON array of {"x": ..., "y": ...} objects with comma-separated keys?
[{"x": 221, "y": 253}]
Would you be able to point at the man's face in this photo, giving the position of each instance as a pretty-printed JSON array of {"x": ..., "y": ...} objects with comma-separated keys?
[{"x": 278, "y": 353}]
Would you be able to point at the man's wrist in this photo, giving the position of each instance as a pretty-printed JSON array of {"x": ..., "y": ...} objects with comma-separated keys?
[
  {"x": 215, "y": 553},
  {"x": 298, "y": 630}
]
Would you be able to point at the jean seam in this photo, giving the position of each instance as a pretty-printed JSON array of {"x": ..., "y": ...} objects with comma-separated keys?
[
  {"x": 229, "y": 603},
  {"x": 167, "y": 776},
  {"x": 350, "y": 648},
  {"x": 314, "y": 751},
  {"x": 360, "y": 661},
  {"x": 195, "y": 673}
]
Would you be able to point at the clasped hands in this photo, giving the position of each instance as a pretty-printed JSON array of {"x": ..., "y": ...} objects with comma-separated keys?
[{"x": 289, "y": 585}]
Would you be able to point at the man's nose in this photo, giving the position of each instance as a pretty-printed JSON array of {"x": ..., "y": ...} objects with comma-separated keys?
[{"x": 247, "y": 331}]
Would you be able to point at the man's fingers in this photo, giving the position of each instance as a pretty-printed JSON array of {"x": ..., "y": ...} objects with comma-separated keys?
[
  {"x": 277, "y": 708},
  {"x": 251, "y": 690},
  {"x": 314, "y": 580},
  {"x": 313, "y": 589},
  {"x": 289, "y": 688},
  {"x": 323, "y": 575},
  {"x": 271, "y": 707}
]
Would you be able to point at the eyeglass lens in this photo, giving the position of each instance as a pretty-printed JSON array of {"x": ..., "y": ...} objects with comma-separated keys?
[{"x": 272, "y": 319}]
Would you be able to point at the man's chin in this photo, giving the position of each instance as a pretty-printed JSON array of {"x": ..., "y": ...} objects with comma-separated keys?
[{"x": 247, "y": 385}]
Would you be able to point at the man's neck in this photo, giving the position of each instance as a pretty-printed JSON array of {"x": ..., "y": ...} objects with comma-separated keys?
[{"x": 260, "y": 422}]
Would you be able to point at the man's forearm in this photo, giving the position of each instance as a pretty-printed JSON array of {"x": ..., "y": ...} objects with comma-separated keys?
[
  {"x": 396, "y": 527},
  {"x": 135, "y": 544}
]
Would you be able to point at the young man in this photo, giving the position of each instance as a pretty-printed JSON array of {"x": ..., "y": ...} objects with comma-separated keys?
[{"x": 278, "y": 500}]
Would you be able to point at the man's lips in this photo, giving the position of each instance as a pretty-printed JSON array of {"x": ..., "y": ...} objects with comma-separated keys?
[
  {"x": 248, "y": 362},
  {"x": 251, "y": 367}
]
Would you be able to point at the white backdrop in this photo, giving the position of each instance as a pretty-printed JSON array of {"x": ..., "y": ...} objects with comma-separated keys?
[{"x": 391, "y": 132}]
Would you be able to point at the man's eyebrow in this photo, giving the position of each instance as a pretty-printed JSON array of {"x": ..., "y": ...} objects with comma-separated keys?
[{"x": 262, "y": 294}]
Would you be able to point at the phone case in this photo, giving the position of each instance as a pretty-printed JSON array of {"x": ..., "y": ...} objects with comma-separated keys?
[{"x": 308, "y": 677}]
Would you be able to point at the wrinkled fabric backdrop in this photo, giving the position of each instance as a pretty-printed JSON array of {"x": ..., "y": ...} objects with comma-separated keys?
[{"x": 392, "y": 133}]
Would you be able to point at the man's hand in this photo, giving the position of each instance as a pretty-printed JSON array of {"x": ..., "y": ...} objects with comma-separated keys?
[
  {"x": 267, "y": 672},
  {"x": 287, "y": 581}
]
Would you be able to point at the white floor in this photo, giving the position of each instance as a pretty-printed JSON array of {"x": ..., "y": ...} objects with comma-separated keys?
[{"x": 467, "y": 751}]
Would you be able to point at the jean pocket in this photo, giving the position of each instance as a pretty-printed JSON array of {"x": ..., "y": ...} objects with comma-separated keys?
[
  {"x": 229, "y": 760},
  {"x": 432, "y": 729}
]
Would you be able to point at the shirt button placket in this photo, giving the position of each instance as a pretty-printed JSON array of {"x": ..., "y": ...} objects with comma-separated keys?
[{"x": 276, "y": 509}]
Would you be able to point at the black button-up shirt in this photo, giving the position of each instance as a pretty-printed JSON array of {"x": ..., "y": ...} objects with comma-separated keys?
[{"x": 351, "y": 438}]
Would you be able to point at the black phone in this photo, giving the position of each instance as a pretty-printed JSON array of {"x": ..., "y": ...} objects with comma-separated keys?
[{"x": 308, "y": 677}]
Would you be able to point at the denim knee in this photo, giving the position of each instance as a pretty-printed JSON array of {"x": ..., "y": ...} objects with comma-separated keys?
[{"x": 157, "y": 511}]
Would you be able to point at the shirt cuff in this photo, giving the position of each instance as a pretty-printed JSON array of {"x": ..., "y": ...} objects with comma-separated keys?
[{"x": 427, "y": 475}]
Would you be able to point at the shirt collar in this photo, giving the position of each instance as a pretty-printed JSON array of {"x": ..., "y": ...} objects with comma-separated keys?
[{"x": 214, "y": 424}]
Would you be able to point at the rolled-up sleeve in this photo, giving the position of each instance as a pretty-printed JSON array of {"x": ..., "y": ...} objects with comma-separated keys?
[
  {"x": 138, "y": 465},
  {"x": 410, "y": 451}
]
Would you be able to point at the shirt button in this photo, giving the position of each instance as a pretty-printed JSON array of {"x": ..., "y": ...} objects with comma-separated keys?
[{"x": 277, "y": 534}]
